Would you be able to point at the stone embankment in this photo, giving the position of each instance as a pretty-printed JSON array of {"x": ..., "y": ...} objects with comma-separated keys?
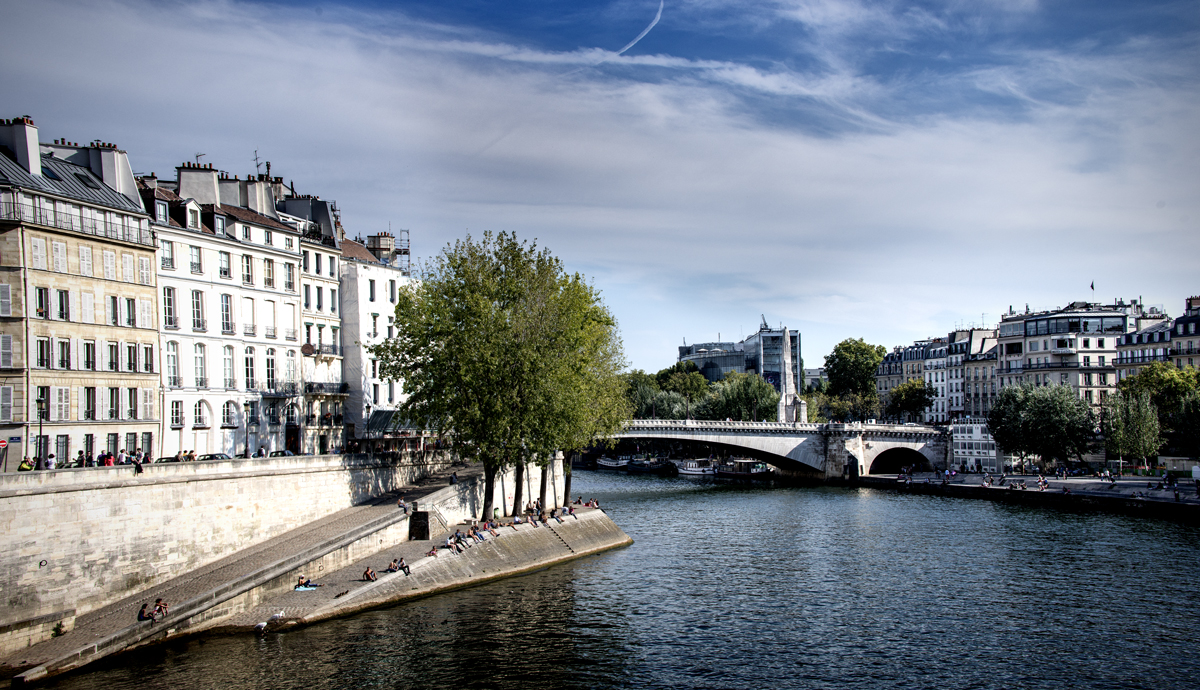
[{"x": 1129, "y": 495}]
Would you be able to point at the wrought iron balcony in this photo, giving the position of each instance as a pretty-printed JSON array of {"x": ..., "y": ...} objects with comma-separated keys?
[
  {"x": 249, "y": 329},
  {"x": 332, "y": 388},
  {"x": 227, "y": 328},
  {"x": 225, "y": 273},
  {"x": 175, "y": 382},
  {"x": 171, "y": 321},
  {"x": 49, "y": 217},
  {"x": 289, "y": 334},
  {"x": 168, "y": 262},
  {"x": 200, "y": 325},
  {"x": 197, "y": 267},
  {"x": 269, "y": 331},
  {"x": 201, "y": 382},
  {"x": 231, "y": 384},
  {"x": 328, "y": 349}
]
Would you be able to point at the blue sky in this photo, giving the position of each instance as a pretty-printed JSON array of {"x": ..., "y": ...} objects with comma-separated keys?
[{"x": 882, "y": 170}]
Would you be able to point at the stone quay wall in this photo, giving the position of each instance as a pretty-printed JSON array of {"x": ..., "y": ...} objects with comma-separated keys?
[{"x": 78, "y": 539}]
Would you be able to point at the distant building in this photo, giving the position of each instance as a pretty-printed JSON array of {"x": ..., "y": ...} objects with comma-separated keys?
[
  {"x": 814, "y": 378},
  {"x": 1166, "y": 341},
  {"x": 936, "y": 356},
  {"x": 972, "y": 380},
  {"x": 714, "y": 360},
  {"x": 974, "y": 448}
]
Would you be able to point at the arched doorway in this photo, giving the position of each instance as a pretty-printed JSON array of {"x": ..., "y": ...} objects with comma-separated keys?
[{"x": 892, "y": 460}]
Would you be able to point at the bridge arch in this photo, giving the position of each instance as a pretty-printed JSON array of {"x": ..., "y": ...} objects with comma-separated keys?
[{"x": 891, "y": 460}]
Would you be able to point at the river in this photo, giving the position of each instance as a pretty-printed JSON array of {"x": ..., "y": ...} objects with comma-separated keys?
[{"x": 738, "y": 586}]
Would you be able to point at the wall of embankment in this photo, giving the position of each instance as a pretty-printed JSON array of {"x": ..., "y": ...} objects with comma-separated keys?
[
  {"x": 1184, "y": 512},
  {"x": 77, "y": 539}
]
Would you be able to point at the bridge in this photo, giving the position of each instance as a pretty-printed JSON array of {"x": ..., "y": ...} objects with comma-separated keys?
[{"x": 809, "y": 451}]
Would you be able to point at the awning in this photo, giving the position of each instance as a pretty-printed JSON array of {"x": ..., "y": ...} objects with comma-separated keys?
[{"x": 380, "y": 421}]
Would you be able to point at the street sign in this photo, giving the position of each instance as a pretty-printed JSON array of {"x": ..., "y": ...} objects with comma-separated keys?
[
  {"x": 3, "y": 443},
  {"x": 14, "y": 439}
]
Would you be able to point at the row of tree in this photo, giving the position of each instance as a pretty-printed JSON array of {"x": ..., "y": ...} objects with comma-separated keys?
[
  {"x": 851, "y": 393},
  {"x": 681, "y": 391}
]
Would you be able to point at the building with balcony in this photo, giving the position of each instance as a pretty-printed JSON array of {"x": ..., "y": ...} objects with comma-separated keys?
[
  {"x": 369, "y": 290},
  {"x": 969, "y": 375},
  {"x": 78, "y": 326},
  {"x": 1185, "y": 335},
  {"x": 1141, "y": 348},
  {"x": 229, "y": 308},
  {"x": 936, "y": 357}
]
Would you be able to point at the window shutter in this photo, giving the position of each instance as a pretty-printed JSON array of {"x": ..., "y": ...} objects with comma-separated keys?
[
  {"x": 147, "y": 403},
  {"x": 89, "y": 307},
  {"x": 76, "y": 314},
  {"x": 51, "y": 405},
  {"x": 6, "y": 403},
  {"x": 144, "y": 270},
  {"x": 59, "y": 251},
  {"x": 143, "y": 315},
  {"x": 110, "y": 265},
  {"x": 53, "y": 355},
  {"x": 6, "y": 354},
  {"x": 81, "y": 394},
  {"x": 64, "y": 403},
  {"x": 5, "y": 300},
  {"x": 102, "y": 403},
  {"x": 109, "y": 316},
  {"x": 76, "y": 348},
  {"x": 127, "y": 268},
  {"x": 121, "y": 356},
  {"x": 85, "y": 261},
  {"x": 39, "y": 253}
]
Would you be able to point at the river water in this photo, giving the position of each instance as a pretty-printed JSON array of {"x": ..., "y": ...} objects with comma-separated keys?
[{"x": 738, "y": 586}]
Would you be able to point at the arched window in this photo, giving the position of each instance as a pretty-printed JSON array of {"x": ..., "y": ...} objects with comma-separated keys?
[
  {"x": 201, "y": 369},
  {"x": 270, "y": 367},
  {"x": 229, "y": 410},
  {"x": 230, "y": 377},
  {"x": 201, "y": 416},
  {"x": 250, "y": 368},
  {"x": 173, "y": 364}
]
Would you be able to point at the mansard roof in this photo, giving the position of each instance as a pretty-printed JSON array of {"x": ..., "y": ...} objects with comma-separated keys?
[{"x": 64, "y": 179}]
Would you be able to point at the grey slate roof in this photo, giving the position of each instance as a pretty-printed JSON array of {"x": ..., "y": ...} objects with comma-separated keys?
[{"x": 68, "y": 185}]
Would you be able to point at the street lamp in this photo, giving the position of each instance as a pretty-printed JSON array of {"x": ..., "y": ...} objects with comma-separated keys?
[
  {"x": 246, "y": 410},
  {"x": 41, "y": 408}
]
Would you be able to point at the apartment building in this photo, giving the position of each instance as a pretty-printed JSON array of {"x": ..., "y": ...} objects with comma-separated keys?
[
  {"x": 936, "y": 356},
  {"x": 1171, "y": 342},
  {"x": 970, "y": 378},
  {"x": 228, "y": 271},
  {"x": 78, "y": 327}
]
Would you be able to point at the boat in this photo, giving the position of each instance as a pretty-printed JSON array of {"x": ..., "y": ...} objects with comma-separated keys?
[
  {"x": 606, "y": 463},
  {"x": 744, "y": 469},
  {"x": 696, "y": 468},
  {"x": 659, "y": 466}
]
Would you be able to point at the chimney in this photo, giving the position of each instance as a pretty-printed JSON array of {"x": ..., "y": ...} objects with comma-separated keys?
[
  {"x": 21, "y": 136},
  {"x": 199, "y": 183}
]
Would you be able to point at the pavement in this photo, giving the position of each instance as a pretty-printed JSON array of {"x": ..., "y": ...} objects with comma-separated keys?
[{"x": 104, "y": 622}]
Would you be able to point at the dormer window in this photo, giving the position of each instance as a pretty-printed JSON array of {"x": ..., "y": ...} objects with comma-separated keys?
[
  {"x": 246, "y": 232},
  {"x": 193, "y": 219},
  {"x": 266, "y": 237},
  {"x": 160, "y": 212},
  {"x": 219, "y": 224}
]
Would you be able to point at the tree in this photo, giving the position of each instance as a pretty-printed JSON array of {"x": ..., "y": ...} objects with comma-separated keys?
[
  {"x": 691, "y": 385},
  {"x": 640, "y": 391},
  {"x": 1047, "y": 421},
  {"x": 911, "y": 398},
  {"x": 500, "y": 348},
  {"x": 851, "y": 367},
  {"x": 741, "y": 397},
  {"x": 1130, "y": 425},
  {"x": 1167, "y": 387}
]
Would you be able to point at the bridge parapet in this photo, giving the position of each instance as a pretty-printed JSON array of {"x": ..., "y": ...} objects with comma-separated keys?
[{"x": 702, "y": 425}]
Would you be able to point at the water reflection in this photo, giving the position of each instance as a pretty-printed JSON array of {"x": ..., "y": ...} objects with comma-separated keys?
[{"x": 744, "y": 586}]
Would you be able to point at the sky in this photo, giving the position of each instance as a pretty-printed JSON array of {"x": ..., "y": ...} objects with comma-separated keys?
[{"x": 879, "y": 170}]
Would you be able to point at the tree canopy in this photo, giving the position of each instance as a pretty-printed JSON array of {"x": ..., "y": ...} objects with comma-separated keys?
[
  {"x": 1167, "y": 387},
  {"x": 1130, "y": 426},
  {"x": 1048, "y": 421},
  {"x": 851, "y": 367},
  {"x": 501, "y": 348},
  {"x": 911, "y": 398},
  {"x": 741, "y": 397}
]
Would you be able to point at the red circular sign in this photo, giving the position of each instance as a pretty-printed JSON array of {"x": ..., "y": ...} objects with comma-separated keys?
[{"x": 3, "y": 443}]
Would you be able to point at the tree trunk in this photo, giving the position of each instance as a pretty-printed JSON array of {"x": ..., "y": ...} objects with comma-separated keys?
[
  {"x": 566, "y": 481},
  {"x": 489, "y": 488},
  {"x": 519, "y": 491},
  {"x": 545, "y": 475}
]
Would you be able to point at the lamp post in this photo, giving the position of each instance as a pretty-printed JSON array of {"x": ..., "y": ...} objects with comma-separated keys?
[
  {"x": 41, "y": 408},
  {"x": 246, "y": 410}
]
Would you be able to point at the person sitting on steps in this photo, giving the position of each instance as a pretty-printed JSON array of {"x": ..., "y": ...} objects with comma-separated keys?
[{"x": 369, "y": 575}]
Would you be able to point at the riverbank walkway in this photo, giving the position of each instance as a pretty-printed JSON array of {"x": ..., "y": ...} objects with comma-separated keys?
[{"x": 116, "y": 624}]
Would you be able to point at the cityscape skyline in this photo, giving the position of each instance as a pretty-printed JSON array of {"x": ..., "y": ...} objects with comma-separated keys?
[{"x": 881, "y": 171}]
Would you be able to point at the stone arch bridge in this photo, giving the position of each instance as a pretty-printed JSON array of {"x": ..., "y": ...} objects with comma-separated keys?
[{"x": 809, "y": 451}]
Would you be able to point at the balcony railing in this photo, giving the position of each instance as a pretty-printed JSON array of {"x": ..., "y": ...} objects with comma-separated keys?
[
  {"x": 201, "y": 382},
  {"x": 269, "y": 331},
  {"x": 280, "y": 388},
  {"x": 289, "y": 334},
  {"x": 227, "y": 328},
  {"x": 1143, "y": 359},
  {"x": 328, "y": 349},
  {"x": 269, "y": 282},
  {"x": 289, "y": 285},
  {"x": 249, "y": 329},
  {"x": 251, "y": 385},
  {"x": 231, "y": 384},
  {"x": 247, "y": 279},
  {"x": 224, "y": 273},
  {"x": 1068, "y": 365},
  {"x": 175, "y": 382},
  {"x": 67, "y": 221},
  {"x": 200, "y": 325},
  {"x": 332, "y": 388},
  {"x": 171, "y": 321},
  {"x": 168, "y": 262},
  {"x": 197, "y": 267}
]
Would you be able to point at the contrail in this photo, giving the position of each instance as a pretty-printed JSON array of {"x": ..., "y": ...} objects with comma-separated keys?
[{"x": 657, "y": 16}]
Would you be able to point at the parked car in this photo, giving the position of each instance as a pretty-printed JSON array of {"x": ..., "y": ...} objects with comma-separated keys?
[
  {"x": 281, "y": 453},
  {"x": 169, "y": 458},
  {"x": 215, "y": 456}
]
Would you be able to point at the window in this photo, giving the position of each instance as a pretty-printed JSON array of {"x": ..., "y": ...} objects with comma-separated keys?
[
  {"x": 201, "y": 368},
  {"x": 148, "y": 440},
  {"x": 246, "y": 232},
  {"x": 304, "y": 261},
  {"x": 227, "y": 368},
  {"x": 5, "y": 300},
  {"x": 228, "y": 414},
  {"x": 130, "y": 312},
  {"x": 197, "y": 264},
  {"x": 198, "y": 310},
  {"x": 268, "y": 272},
  {"x": 39, "y": 252},
  {"x": 89, "y": 403},
  {"x": 375, "y": 393},
  {"x": 249, "y": 368},
  {"x": 371, "y": 290},
  {"x": 308, "y": 297},
  {"x": 332, "y": 266},
  {"x": 289, "y": 281},
  {"x": 173, "y": 365},
  {"x": 43, "y": 353},
  {"x": 287, "y": 242},
  {"x": 85, "y": 261},
  {"x": 113, "y": 440},
  {"x": 317, "y": 258},
  {"x": 114, "y": 357},
  {"x": 144, "y": 270},
  {"x": 319, "y": 295},
  {"x": 194, "y": 218},
  {"x": 332, "y": 300},
  {"x": 1100, "y": 343},
  {"x": 226, "y": 270},
  {"x": 42, "y": 302},
  {"x": 291, "y": 365},
  {"x": 114, "y": 406},
  {"x": 177, "y": 414},
  {"x": 64, "y": 354},
  {"x": 131, "y": 356},
  {"x": 270, "y": 367},
  {"x": 227, "y": 313},
  {"x": 89, "y": 355},
  {"x": 170, "y": 318},
  {"x": 160, "y": 212},
  {"x": 392, "y": 291},
  {"x": 114, "y": 310},
  {"x": 131, "y": 398},
  {"x": 110, "y": 265},
  {"x": 64, "y": 305},
  {"x": 148, "y": 359},
  {"x": 58, "y": 254},
  {"x": 199, "y": 418},
  {"x": 219, "y": 224},
  {"x": 127, "y": 268},
  {"x": 42, "y": 411},
  {"x": 267, "y": 237},
  {"x": 247, "y": 269}
]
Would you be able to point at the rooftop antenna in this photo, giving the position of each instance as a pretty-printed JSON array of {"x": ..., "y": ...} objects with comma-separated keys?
[
  {"x": 257, "y": 163},
  {"x": 198, "y": 157},
  {"x": 268, "y": 168}
]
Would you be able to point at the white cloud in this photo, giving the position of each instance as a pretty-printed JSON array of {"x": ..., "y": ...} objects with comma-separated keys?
[{"x": 694, "y": 207}]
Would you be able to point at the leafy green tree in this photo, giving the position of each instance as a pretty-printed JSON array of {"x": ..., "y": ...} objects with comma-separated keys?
[
  {"x": 1130, "y": 426},
  {"x": 911, "y": 398},
  {"x": 685, "y": 367},
  {"x": 851, "y": 367},
  {"x": 503, "y": 350},
  {"x": 1006, "y": 420},
  {"x": 1048, "y": 421},
  {"x": 640, "y": 391},
  {"x": 1167, "y": 387},
  {"x": 691, "y": 385},
  {"x": 741, "y": 397}
]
